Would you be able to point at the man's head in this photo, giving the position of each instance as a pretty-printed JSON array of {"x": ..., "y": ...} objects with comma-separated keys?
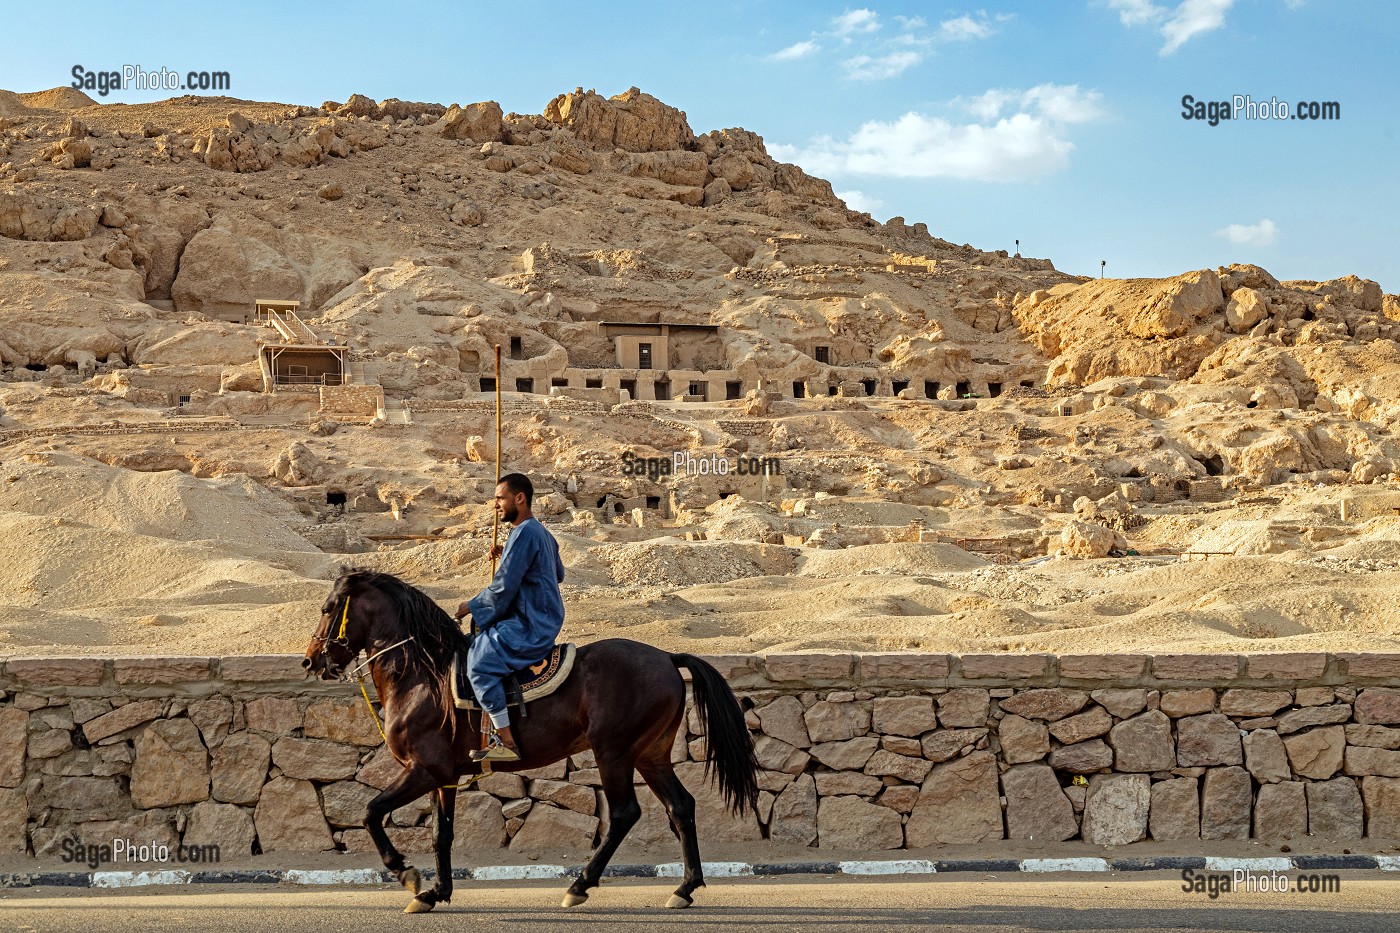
[{"x": 513, "y": 496}]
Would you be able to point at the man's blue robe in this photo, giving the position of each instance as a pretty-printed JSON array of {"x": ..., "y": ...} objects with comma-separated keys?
[{"x": 518, "y": 616}]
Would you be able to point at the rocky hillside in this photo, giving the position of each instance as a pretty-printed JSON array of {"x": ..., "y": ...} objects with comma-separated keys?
[{"x": 911, "y": 389}]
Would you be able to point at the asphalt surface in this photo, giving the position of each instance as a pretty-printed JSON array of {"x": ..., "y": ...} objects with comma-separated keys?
[{"x": 1365, "y": 903}]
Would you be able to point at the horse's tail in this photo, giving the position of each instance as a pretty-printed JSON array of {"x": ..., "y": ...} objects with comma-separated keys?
[{"x": 730, "y": 755}]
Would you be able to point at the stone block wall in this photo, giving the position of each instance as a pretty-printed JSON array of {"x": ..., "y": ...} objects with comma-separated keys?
[{"x": 858, "y": 752}]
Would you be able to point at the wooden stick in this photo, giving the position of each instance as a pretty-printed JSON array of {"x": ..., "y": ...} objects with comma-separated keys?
[{"x": 495, "y": 516}]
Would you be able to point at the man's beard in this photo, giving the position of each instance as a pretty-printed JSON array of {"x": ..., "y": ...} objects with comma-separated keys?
[{"x": 510, "y": 514}]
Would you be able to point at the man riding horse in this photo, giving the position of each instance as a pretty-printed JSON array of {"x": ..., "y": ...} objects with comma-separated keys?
[{"x": 518, "y": 616}]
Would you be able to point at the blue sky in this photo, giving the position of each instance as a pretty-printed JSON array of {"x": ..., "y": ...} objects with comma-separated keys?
[{"x": 1058, "y": 124}]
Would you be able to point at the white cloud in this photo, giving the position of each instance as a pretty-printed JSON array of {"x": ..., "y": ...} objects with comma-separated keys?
[
  {"x": 866, "y": 68},
  {"x": 1192, "y": 18},
  {"x": 965, "y": 28},
  {"x": 860, "y": 201},
  {"x": 1002, "y": 146},
  {"x": 855, "y": 21},
  {"x": 988, "y": 105},
  {"x": 1264, "y": 233},
  {"x": 1178, "y": 25},
  {"x": 916, "y": 22},
  {"x": 795, "y": 51},
  {"x": 1135, "y": 12},
  {"x": 1064, "y": 103},
  {"x": 1060, "y": 103}
]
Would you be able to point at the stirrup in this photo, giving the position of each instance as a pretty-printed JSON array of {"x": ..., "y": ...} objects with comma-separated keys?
[{"x": 495, "y": 750}]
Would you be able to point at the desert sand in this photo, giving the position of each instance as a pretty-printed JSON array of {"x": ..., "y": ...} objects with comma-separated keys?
[{"x": 988, "y": 454}]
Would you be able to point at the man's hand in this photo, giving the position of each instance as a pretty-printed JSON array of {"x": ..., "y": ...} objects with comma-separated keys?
[
  {"x": 463, "y": 610},
  {"x": 495, "y": 552}
]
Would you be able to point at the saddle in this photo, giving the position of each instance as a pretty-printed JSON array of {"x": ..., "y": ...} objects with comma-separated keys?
[{"x": 529, "y": 683}]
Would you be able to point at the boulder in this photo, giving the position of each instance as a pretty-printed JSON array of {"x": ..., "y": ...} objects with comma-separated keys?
[
  {"x": 849, "y": 755},
  {"x": 1048, "y": 705},
  {"x": 1254, "y": 702},
  {"x": 1022, "y": 740},
  {"x": 1084, "y": 726},
  {"x": 1176, "y": 809},
  {"x": 685, "y": 169},
  {"x": 314, "y": 759},
  {"x": 734, "y": 170},
  {"x": 224, "y": 825},
  {"x": 240, "y": 767},
  {"x": 1294, "y": 720},
  {"x": 1087, "y": 541},
  {"x": 345, "y": 803},
  {"x": 947, "y": 743},
  {"x": 888, "y": 764},
  {"x": 836, "y": 722},
  {"x": 783, "y": 719},
  {"x": 964, "y": 707},
  {"x": 1281, "y": 812},
  {"x": 1381, "y": 797},
  {"x": 794, "y": 819},
  {"x": 631, "y": 121},
  {"x": 959, "y": 802},
  {"x": 836, "y": 783},
  {"x": 346, "y": 721},
  {"x": 1377, "y": 705},
  {"x": 1265, "y": 757},
  {"x": 1208, "y": 739},
  {"x": 1177, "y": 306},
  {"x": 1317, "y": 753},
  {"x": 908, "y": 716},
  {"x": 1121, "y": 701},
  {"x": 1116, "y": 809},
  {"x": 712, "y": 816},
  {"x": 1335, "y": 809},
  {"x": 777, "y": 755},
  {"x": 852, "y": 823},
  {"x": 478, "y": 823},
  {"x": 1178, "y": 703},
  {"x": 171, "y": 766},
  {"x": 1246, "y": 308},
  {"x": 14, "y": 738},
  {"x": 288, "y": 818},
  {"x": 548, "y": 827},
  {"x": 1227, "y": 799},
  {"x": 1143, "y": 743},
  {"x": 1083, "y": 757},
  {"x": 1036, "y": 806},
  {"x": 479, "y": 123},
  {"x": 14, "y": 822}
]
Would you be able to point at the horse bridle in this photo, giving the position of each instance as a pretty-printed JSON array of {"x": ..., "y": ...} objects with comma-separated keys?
[{"x": 341, "y": 640}]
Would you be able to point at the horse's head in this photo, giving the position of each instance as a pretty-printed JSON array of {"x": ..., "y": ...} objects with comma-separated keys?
[{"x": 342, "y": 633}]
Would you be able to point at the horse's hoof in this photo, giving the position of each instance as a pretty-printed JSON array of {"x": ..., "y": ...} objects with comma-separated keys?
[
  {"x": 677, "y": 902},
  {"x": 418, "y": 906},
  {"x": 573, "y": 900},
  {"x": 412, "y": 880}
]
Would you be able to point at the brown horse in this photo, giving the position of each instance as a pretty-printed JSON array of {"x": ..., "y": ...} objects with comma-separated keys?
[{"x": 623, "y": 699}]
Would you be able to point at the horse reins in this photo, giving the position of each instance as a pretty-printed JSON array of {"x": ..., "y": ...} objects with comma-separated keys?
[{"x": 358, "y": 673}]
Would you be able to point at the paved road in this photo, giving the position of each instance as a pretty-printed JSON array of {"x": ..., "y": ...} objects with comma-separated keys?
[{"x": 1365, "y": 904}]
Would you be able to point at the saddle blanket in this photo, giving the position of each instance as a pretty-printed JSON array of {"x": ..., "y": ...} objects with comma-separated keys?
[{"x": 530, "y": 683}]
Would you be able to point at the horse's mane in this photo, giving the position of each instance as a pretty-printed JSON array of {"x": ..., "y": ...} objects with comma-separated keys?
[{"x": 435, "y": 633}]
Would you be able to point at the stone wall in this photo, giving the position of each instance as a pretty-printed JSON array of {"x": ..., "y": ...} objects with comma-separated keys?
[{"x": 872, "y": 751}]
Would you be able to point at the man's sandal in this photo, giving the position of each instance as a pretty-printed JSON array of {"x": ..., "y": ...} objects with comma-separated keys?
[{"x": 495, "y": 750}]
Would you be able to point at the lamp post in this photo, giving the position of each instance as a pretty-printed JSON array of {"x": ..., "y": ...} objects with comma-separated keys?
[
  {"x": 1102, "y": 263},
  {"x": 1018, "y": 249}
]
